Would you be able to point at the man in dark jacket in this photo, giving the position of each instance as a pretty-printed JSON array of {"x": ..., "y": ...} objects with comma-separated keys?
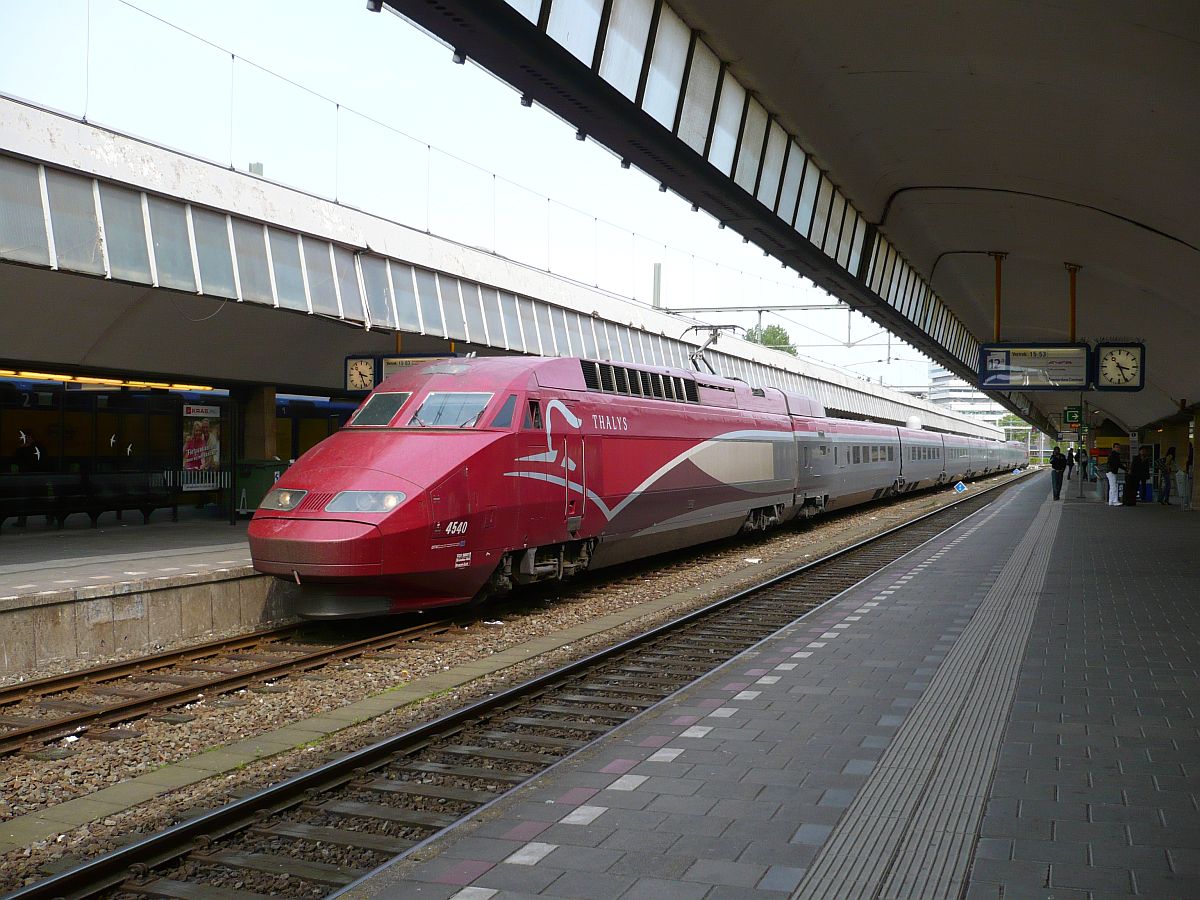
[{"x": 1058, "y": 463}]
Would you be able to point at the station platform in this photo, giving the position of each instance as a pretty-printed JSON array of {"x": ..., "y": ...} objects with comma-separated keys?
[
  {"x": 37, "y": 558},
  {"x": 1006, "y": 712},
  {"x": 81, "y": 593}
]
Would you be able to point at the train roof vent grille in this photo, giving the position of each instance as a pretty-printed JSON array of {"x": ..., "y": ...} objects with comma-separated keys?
[
  {"x": 611, "y": 379},
  {"x": 607, "y": 379}
]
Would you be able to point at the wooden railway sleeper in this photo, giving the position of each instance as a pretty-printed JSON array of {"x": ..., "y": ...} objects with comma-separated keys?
[{"x": 273, "y": 864}]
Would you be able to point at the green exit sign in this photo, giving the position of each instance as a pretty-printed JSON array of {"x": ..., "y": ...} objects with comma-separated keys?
[{"x": 1072, "y": 415}]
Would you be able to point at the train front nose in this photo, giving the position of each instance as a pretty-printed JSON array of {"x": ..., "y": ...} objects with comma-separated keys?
[
  {"x": 316, "y": 548},
  {"x": 330, "y": 534}
]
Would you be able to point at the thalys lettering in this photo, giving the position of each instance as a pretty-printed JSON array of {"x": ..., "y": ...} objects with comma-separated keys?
[
  {"x": 610, "y": 423},
  {"x": 583, "y": 478}
]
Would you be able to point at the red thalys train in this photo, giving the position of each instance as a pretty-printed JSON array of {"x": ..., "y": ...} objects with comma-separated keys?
[{"x": 460, "y": 479}]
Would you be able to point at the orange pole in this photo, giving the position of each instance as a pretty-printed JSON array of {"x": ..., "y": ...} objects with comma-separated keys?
[
  {"x": 1072, "y": 268},
  {"x": 999, "y": 258}
]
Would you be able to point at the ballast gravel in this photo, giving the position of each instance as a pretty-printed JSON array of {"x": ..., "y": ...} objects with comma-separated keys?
[{"x": 28, "y": 785}]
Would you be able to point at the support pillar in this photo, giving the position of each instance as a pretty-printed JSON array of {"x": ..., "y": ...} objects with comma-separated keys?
[
  {"x": 259, "y": 432},
  {"x": 1182, "y": 459}
]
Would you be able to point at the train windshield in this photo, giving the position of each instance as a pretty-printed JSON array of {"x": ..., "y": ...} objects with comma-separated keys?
[
  {"x": 449, "y": 410},
  {"x": 380, "y": 409}
]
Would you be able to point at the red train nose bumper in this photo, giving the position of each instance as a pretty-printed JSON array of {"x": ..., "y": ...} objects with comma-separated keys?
[{"x": 315, "y": 548}]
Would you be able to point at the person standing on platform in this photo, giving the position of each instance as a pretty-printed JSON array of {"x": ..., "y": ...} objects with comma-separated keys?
[
  {"x": 1115, "y": 465},
  {"x": 1058, "y": 462},
  {"x": 1070, "y": 462},
  {"x": 1183, "y": 481},
  {"x": 1168, "y": 467},
  {"x": 1136, "y": 475}
]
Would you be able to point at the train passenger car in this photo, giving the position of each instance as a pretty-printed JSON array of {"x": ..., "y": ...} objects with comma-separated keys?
[
  {"x": 957, "y": 450},
  {"x": 1013, "y": 455},
  {"x": 979, "y": 464},
  {"x": 866, "y": 462},
  {"x": 922, "y": 459}
]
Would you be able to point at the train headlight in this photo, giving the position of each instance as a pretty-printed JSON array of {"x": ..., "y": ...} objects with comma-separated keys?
[
  {"x": 282, "y": 499},
  {"x": 365, "y": 501}
]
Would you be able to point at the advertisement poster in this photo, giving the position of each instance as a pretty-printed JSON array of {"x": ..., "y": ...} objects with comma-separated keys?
[{"x": 201, "y": 447}]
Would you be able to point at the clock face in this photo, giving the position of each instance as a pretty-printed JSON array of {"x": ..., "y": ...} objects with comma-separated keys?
[
  {"x": 1120, "y": 367},
  {"x": 360, "y": 374}
]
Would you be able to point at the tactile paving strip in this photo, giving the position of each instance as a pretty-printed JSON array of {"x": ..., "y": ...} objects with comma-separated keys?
[{"x": 910, "y": 830}]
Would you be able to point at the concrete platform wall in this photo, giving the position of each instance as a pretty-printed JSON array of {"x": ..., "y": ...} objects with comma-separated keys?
[{"x": 102, "y": 621}]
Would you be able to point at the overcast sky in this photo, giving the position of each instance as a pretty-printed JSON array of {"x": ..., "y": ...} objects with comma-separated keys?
[{"x": 366, "y": 109}]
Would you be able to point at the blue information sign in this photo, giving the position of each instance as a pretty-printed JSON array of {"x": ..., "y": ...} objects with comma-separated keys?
[{"x": 1034, "y": 367}]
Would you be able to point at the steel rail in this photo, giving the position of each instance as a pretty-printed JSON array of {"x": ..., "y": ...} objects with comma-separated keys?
[
  {"x": 80, "y": 722},
  {"x": 56, "y": 684},
  {"x": 110, "y": 869}
]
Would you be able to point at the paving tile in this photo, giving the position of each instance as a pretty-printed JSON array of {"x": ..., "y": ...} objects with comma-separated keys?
[
  {"x": 725, "y": 872},
  {"x": 590, "y": 885},
  {"x": 578, "y": 835},
  {"x": 1090, "y": 878},
  {"x": 660, "y": 889},
  {"x": 525, "y": 879},
  {"x": 811, "y": 834},
  {"x": 447, "y": 870},
  {"x": 651, "y": 864},
  {"x": 1051, "y": 851},
  {"x": 781, "y": 878}
]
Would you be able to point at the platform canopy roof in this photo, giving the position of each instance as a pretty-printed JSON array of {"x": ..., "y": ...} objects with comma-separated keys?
[{"x": 1054, "y": 132}]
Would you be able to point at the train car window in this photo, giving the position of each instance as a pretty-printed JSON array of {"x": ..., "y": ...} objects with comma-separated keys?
[
  {"x": 533, "y": 415},
  {"x": 446, "y": 409},
  {"x": 380, "y": 409},
  {"x": 891, "y": 454},
  {"x": 855, "y": 456},
  {"x": 505, "y": 416}
]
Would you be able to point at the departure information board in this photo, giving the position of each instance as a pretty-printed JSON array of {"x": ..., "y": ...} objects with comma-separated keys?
[{"x": 1034, "y": 367}]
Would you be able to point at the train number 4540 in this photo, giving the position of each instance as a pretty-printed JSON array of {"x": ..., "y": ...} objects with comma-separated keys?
[{"x": 459, "y": 527}]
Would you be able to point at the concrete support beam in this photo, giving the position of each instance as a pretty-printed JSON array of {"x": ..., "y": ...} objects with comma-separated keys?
[{"x": 260, "y": 424}]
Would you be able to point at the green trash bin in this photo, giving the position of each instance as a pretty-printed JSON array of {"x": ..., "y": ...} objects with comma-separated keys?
[{"x": 254, "y": 478}]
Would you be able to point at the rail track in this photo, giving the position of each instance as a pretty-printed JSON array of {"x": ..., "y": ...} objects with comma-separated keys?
[
  {"x": 87, "y": 702},
  {"x": 322, "y": 829}
]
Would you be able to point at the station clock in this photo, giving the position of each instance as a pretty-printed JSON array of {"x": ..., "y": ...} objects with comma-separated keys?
[
  {"x": 360, "y": 373},
  {"x": 1120, "y": 367}
]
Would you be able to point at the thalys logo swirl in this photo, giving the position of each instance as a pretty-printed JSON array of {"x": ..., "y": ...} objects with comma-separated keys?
[{"x": 561, "y": 471}]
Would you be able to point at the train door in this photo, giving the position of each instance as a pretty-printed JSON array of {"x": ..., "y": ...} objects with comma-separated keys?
[
  {"x": 534, "y": 490},
  {"x": 574, "y": 463},
  {"x": 809, "y": 480},
  {"x": 553, "y": 452}
]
